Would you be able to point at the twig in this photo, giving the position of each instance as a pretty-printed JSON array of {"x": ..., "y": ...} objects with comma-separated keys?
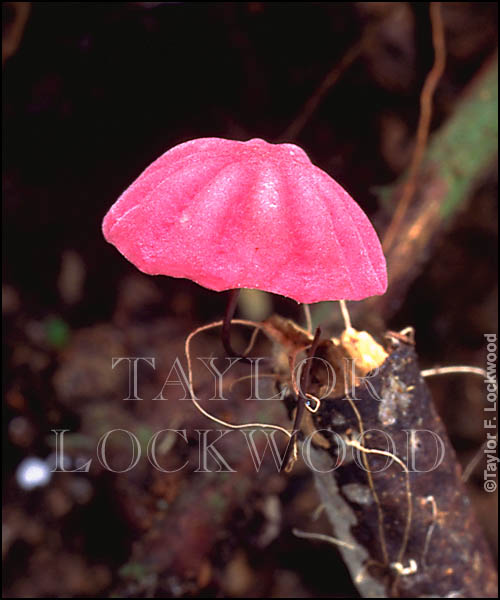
[
  {"x": 14, "y": 32},
  {"x": 424, "y": 123},
  {"x": 457, "y": 157},
  {"x": 404, "y": 543},
  {"x": 187, "y": 350},
  {"x": 321, "y": 537},
  {"x": 300, "y": 394},
  {"x": 430, "y": 531},
  {"x": 469, "y": 469},
  {"x": 450, "y": 370},
  {"x": 300, "y": 121}
]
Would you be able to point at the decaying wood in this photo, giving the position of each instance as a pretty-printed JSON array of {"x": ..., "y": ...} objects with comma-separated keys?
[
  {"x": 409, "y": 528},
  {"x": 404, "y": 535}
]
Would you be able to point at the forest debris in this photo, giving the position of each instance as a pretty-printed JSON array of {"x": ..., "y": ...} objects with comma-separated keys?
[
  {"x": 238, "y": 576},
  {"x": 457, "y": 156},
  {"x": 308, "y": 429},
  {"x": 363, "y": 349},
  {"x": 85, "y": 371},
  {"x": 368, "y": 37},
  {"x": 443, "y": 550},
  {"x": 13, "y": 30},
  {"x": 10, "y": 300},
  {"x": 271, "y": 510},
  {"x": 71, "y": 277},
  {"x": 424, "y": 124}
]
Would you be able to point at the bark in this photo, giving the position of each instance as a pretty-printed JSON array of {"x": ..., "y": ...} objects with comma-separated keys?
[{"x": 437, "y": 549}]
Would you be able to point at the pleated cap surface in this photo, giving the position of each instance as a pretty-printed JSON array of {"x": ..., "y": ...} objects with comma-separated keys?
[{"x": 229, "y": 214}]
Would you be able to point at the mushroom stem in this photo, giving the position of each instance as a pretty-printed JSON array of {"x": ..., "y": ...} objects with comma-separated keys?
[
  {"x": 226, "y": 326},
  {"x": 307, "y": 314},
  {"x": 289, "y": 458},
  {"x": 345, "y": 315}
]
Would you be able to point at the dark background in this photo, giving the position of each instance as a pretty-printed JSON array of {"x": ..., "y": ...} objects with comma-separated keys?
[{"x": 92, "y": 94}]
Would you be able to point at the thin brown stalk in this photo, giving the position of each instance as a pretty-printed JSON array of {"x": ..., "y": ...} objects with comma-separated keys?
[{"x": 424, "y": 124}]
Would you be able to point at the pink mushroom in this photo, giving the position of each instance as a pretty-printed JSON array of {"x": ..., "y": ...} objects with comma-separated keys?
[{"x": 231, "y": 215}]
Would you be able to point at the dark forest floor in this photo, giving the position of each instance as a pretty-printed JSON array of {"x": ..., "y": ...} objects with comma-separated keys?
[{"x": 93, "y": 93}]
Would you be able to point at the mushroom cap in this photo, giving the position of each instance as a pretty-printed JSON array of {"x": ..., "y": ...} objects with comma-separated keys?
[{"x": 229, "y": 214}]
